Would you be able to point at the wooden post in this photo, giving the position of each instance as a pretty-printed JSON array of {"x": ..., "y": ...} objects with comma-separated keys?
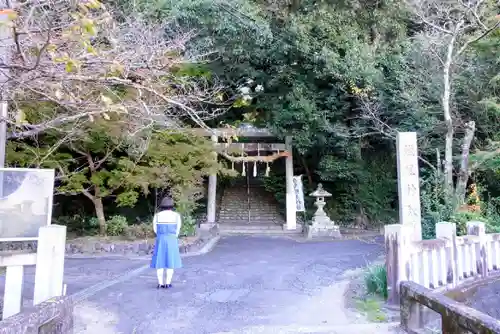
[
  {"x": 408, "y": 182},
  {"x": 49, "y": 272},
  {"x": 397, "y": 246},
  {"x": 481, "y": 249}
]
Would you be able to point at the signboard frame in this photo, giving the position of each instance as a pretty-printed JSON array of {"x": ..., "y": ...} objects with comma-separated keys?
[{"x": 49, "y": 203}]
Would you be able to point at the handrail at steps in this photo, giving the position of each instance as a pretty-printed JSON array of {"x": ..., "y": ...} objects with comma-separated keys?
[{"x": 456, "y": 317}]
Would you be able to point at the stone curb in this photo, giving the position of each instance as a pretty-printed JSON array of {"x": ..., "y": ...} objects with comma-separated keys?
[
  {"x": 206, "y": 248},
  {"x": 364, "y": 328}
]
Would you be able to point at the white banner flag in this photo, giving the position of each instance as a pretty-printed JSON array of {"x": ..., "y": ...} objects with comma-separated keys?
[{"x": 299, "y": 193}]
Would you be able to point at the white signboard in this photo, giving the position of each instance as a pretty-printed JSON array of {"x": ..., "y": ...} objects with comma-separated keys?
[
  {"x": 26, "y": 197},
  {"x": 409, "y": 182},
  {"x": 299, "y": 193}
]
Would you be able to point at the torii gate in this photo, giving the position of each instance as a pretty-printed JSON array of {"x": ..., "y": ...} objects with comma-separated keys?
[{"x": 250, "y": 132}]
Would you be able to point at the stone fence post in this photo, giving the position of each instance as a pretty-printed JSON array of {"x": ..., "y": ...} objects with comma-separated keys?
[
  {"x": 446, "y": 266},
  {"x": 49, "y": 272},
  {"x": 482, "y": 260},
  {"x": 398, "y": 240},
  {"x": 448, "y": 232}
]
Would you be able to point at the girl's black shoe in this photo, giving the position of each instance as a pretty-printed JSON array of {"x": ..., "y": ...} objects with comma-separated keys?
[
  {"x": 161, "y": 286},
  {"x": 168, "y": 286}
]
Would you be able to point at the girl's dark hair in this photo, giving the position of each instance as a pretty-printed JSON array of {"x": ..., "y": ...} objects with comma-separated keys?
[{"x": 167, "y": 203}]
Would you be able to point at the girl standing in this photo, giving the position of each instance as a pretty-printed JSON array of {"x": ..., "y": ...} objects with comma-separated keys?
[{"x": 166, "y": 256}]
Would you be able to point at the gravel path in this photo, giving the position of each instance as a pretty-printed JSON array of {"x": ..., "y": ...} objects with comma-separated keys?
[{"x": 245, "y": 285}]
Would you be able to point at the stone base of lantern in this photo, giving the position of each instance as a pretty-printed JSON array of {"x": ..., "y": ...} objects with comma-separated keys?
[
  {"x": 322, "y": 226},
  {"x": 323, "y": 230}
]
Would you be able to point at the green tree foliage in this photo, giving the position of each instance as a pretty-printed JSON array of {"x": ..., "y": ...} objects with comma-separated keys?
[
  {"x": 100, "y": 165},
  {"x": 102, "y": 97},
  {"x": 314, "y": 58},
  {"x": 342, "y": 77}
]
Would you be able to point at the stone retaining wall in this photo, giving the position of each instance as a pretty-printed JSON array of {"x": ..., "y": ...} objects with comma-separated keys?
[{"x": 104, "y": 246}]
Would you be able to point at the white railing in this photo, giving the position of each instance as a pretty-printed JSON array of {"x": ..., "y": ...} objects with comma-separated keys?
[
  {"x": 441, "y": 263},
  {"x": 49, "y": 261}
]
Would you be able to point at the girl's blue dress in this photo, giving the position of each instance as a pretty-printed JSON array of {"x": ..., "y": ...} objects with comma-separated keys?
[{"x": 166, "y": 252}]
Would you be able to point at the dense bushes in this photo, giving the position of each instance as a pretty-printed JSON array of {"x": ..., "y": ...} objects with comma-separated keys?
[{"x": 119, "y": 226}]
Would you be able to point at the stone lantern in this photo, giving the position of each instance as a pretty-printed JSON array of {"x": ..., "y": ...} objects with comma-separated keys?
[{"x": 322, "y": 225}]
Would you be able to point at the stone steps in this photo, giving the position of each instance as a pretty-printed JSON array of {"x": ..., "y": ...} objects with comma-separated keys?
[
  {"x": 242, "y": 208},
  {"x": 235, "y": 228},
  {"x": 253, "y": 215}
]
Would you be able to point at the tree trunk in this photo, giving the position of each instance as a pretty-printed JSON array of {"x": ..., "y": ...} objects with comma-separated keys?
[
  {"x": 294, "y": 6},
  {"x": 96, "y": 197},
  {"x": 307, "y": 170},
  {"x": 439, "y": 165},
  {"x": 448, "y": 153},
  {"x": 99, "y": 211},
  {"x": 463, "y": 176}
]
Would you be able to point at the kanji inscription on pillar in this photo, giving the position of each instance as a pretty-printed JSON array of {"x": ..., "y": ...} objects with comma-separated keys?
[{"x": 409, "y": 182}]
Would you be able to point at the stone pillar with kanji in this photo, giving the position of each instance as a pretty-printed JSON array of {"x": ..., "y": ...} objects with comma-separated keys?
[{"x": 409, "y": 182}]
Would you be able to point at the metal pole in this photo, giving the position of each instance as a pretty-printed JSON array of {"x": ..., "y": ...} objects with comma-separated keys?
[{"x": 5, "y": 54}]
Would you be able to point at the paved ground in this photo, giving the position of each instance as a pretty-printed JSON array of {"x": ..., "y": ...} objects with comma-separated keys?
[
  {"x": 80, "y": 275},
  {"x": 486, "y": 299},
  {"x": 245, "y": 285}
]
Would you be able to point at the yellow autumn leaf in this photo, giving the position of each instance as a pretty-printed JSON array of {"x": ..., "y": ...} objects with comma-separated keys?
[
  {"x": 107, "y": 101},
  {"x": 106, "y": 116},
  {"x": 83, "y": 8},
  {"x": 89, "y": 26},
  {"x": 115, "y": 69},
  {"x": 20, "y": 117},
  {"x": 51, "y": 48},
  {"x": 70, "y": 66},
  {"x": 120, "y": 109},
  {"x": 94, "y": 4},
  {"x": 12, "y": 15},
  {"x": 90, "y": 49}
]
